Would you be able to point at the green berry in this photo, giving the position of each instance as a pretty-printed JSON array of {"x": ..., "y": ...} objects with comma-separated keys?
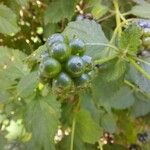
[
  {"x": 146, "y": 41},
  {"x": 75, "y": 66},
  {"x": 60, "y": 51},
  {"x": 83, "y": 80},
  {"x": 146, "y": 32},
  {"x": 55, "y": 38},
  {"x": 62, "y": 82},
  {"x": 87, "y": 62},
  {"x": 50, "y": 67},
  {"x": 77, "y": 46}
]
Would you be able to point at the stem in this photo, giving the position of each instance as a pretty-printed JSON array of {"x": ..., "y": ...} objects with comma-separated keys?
[
  {"x": 72, "y": 133},
  {"x": 100, "y": 145},
  {"x": 131, "y": 85},
  {"x": 118, "y": 21},
  {"x": 140, "y": 69},
  {"x": 104, "y": 18},
  {"x": 103, "y": 44},
  {"x": 141, "y": 60},
  {"x": 101, "y": 61},
  {"x": 117, "y": 28},
  {"x": 127, "y": 13},
  {"x": 136, "y": 88},
  {"x": 123, "y": 18}
]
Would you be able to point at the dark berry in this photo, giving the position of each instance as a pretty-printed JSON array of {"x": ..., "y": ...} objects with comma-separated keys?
[{"x": 75, "y": 66}]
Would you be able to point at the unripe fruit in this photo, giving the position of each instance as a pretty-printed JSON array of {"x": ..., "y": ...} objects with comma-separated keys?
[
  {"x": 62, "y": 82},
  {"x": 50, "y": 67},
  {"x": 146, "y": 41},
  {"x": 83, "y": 80},
  {"x": 77, "y": 46},
  {"x": 75, "y": 66},
  {"x": 60, "y": 51},
  {"x": 55, "y": 38},
  {"x": 146, "y": 32},
  {"x": 144, "y": 23},
  {"x": 87, "y": 62}
]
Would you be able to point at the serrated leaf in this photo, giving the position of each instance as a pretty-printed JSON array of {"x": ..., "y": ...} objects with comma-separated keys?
[
  {"x": 28, "y": 84},
  {"x": 88, "y": 104},
  {"x": 91, "y": 33},
  {"x": 42, "y": 120},
  {"x": 130, "y": 38},
  {"x": 12, "y": 66},
  {"x": 108, "y": 122},
  {"x": 141, "y": 10},
  {"x": 122, "y": 99},
  {"x": 103, "y": 90},
  {"x": 113, "y": 69},
  {"x": 35, "y": 56},
  {"x": 141, "y": 106},
  {"x": 86, "y": 128},
  {"x": 8, "y": 21},
  {"x": 58, "y": 10},
  {"x": 142, "y": 82}
]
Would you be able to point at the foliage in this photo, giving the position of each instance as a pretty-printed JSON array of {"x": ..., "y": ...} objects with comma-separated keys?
[{"x": 111, "y": 111}]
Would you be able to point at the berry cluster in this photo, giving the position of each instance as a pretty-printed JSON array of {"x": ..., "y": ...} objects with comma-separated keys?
[
  {"x": 145, "y": 38},
  {"x": 107, "y": 138},
  {"x": 142, "y": 137},
  {"x": 64, "y": 64}
]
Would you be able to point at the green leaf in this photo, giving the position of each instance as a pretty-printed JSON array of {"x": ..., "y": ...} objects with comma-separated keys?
[
  {"x": 8, "y": 21},
  {"x": 113, "y": 69},
  {"x": 35, "y": 56},
  {"x": 103, "y": 91},
  {"x": 142, "y": 10},
  {"x": 123, "y": 99},
  {"x": 88, "y": 104},
  {"x": 42, "y": 120},
  {"x": 86, "y": 128},
  {"x": 99, "y": 10},
  {"x": 128, "y": 126},
  {"x": 91, "y": 33},
  {"x": 130, "y": 38},
  {"x": 2, "y": 142},
  {"x": 58, "y": 10},
  {"x": 12, "y": 66},
  {"x": 114, "y": 147},
  {"x": 141, "y": 106},
  {"x": 4, "y": 96},
  {"x": 142, "y": 82},
  {"x": 50, "y": 29},
  {"x": 108, "y": 122},
  {"x": 27, "y": 85}
]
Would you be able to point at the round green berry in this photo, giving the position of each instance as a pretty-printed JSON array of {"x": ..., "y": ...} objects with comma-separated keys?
[
  {"x": 75, "y": 66},
  {"x": 60, "y": 51},
  {"x": 50, "y": 67},
  {"x": 77, "y": 46}
]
